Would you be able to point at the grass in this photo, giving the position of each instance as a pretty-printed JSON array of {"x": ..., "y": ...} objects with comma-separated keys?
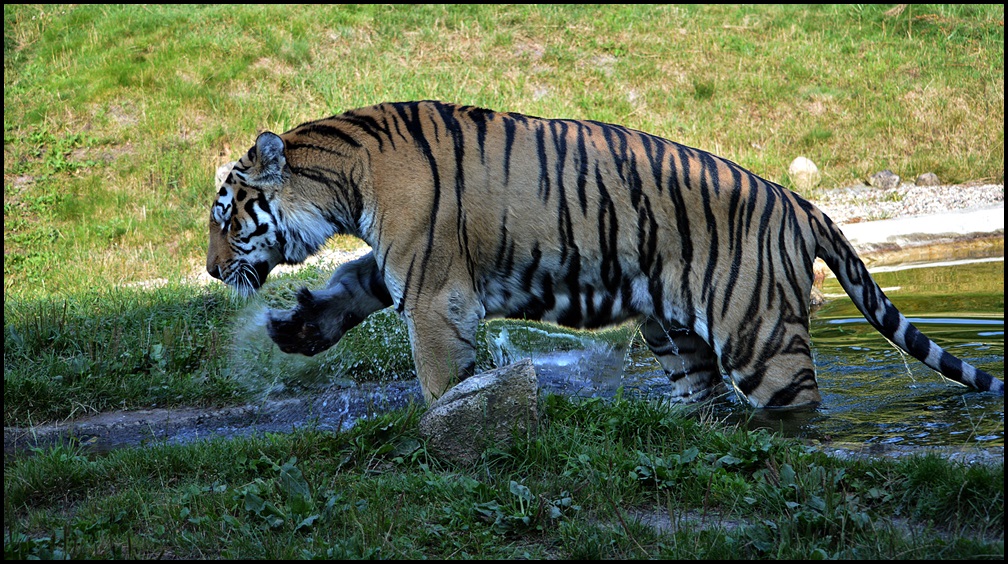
[
  {"x": 116, "y": 117},
  {"x": 586, "y": 487}
]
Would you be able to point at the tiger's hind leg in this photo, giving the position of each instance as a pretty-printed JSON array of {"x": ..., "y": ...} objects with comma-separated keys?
[
  {"x": 770, "y": 362},
  {"x": 688, "y": 361},
  {"x": 321, "y": 317}
]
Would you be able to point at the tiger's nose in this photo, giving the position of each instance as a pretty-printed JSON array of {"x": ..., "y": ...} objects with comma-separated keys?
[{"x": 214, "y": 271}]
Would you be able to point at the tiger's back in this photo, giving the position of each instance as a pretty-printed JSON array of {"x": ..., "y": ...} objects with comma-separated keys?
[{"x": 472, "y": 213}]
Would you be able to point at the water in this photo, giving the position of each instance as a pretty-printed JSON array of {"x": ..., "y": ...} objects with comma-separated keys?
[{"x": 872, "y": 392}]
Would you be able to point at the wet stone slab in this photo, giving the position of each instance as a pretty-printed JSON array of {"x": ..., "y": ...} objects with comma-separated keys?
[{"x": 334, "y": 409}]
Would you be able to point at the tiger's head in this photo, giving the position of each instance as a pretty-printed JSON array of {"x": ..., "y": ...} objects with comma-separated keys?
[{"x": 246, "y": 239}]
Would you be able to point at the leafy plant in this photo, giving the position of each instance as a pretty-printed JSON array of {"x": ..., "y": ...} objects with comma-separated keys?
[{"x": 525, "y": 511}]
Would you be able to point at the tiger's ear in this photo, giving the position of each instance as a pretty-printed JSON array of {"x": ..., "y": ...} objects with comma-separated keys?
[{"x": 270, "y": 159}]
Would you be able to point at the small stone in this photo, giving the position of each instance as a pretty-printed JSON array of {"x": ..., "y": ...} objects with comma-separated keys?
[
  {"x": 484, "y": 410},
  {"x": 928, "y": 179},
  {"x": 804, "y": 174},
  {"x": 886, "y": 180}
]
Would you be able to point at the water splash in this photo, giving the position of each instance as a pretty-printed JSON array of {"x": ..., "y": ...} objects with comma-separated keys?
[{"x": 570, "y": 363}]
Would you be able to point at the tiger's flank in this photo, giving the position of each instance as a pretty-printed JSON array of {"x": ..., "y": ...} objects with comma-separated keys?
[{"x": 472, "y": 213}]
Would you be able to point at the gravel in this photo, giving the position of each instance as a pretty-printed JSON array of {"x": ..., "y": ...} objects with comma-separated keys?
[{"x": 862, "y": 203}]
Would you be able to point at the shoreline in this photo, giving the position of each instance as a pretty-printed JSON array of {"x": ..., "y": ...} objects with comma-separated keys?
[
  {"x": 917, "y": 224},
  {"x": 881, "y": 222}
]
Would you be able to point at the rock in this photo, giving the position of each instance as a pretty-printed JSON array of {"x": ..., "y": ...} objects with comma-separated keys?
[
  {"x": 484, "y": 410},
  {"x": 928, "y": 179},
  {"x": 885, "y": 180},
  {"x": 804, "y": 173}
]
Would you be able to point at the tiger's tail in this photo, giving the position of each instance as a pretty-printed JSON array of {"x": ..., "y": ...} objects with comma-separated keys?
[{"x": 872, "y": 302}]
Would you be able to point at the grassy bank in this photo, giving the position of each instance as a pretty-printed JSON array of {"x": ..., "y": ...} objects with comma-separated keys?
[
  {"x": 115, "y": 118},
  {"x": 603, "y": 480}
]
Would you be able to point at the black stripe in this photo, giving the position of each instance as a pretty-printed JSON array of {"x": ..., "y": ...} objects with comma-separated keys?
[
  {"x": 371, "y": 126},
  {"x": 454, "y": 129},
  {"x": 634, "y": 180},
  {"x": 573, "y": 317},
  {"x": 610, "y": 131},
  {"x": 328, "y": 131},
  {"x": 530, "y": 270},
  {"x": 294, "y": 145},
  {"x": 804, "y": 380},
  {"x": 509, "y": 137},
  {"x": 409, "y": 113},
  {"x": 564, "y": 224},
  {"x": 353, "y": 206},
  {"x": 582, "y": 168},
  {"x": 544, "y": 180},
  {"x": 409, "y": 276},
  {"x": 480, "y": 117},
  {"x": 647, "y": 237},
  {"x": 502, "y": 244},
  {"x": 682, "y": 218},
  {"x": 656, "y": 287},
  {"x": 708, "y": 170},
  {"x": 736, "y": 234},
  {"x": 656, "y": 157},
  {"x": 546, "y": 292},
  {"x": 608, "y": 230}
]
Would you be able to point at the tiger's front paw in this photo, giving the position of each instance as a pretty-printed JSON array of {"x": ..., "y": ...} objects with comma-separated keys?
[{"x": 300, "y": 330}]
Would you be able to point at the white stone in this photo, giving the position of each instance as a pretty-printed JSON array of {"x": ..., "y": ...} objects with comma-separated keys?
[{"x": 804, "y": 174}]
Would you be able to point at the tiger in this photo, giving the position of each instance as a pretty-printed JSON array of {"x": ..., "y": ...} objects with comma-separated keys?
[{"x": 472, "y": 214}]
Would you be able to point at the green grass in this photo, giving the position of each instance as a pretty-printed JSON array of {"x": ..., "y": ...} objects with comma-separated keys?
[
  {"x": 115, "y": 117},
  {"x": 115, "y": 349},
  {"x": 584, "y": 488}
]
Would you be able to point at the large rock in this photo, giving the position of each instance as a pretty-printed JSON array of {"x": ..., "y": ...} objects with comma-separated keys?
[
  {"x": 804, "y": 174},
  {"x": 484, "y": 410}
]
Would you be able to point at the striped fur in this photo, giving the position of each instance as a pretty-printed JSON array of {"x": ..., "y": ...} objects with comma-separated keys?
[{"x": 472, "y": 213}]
